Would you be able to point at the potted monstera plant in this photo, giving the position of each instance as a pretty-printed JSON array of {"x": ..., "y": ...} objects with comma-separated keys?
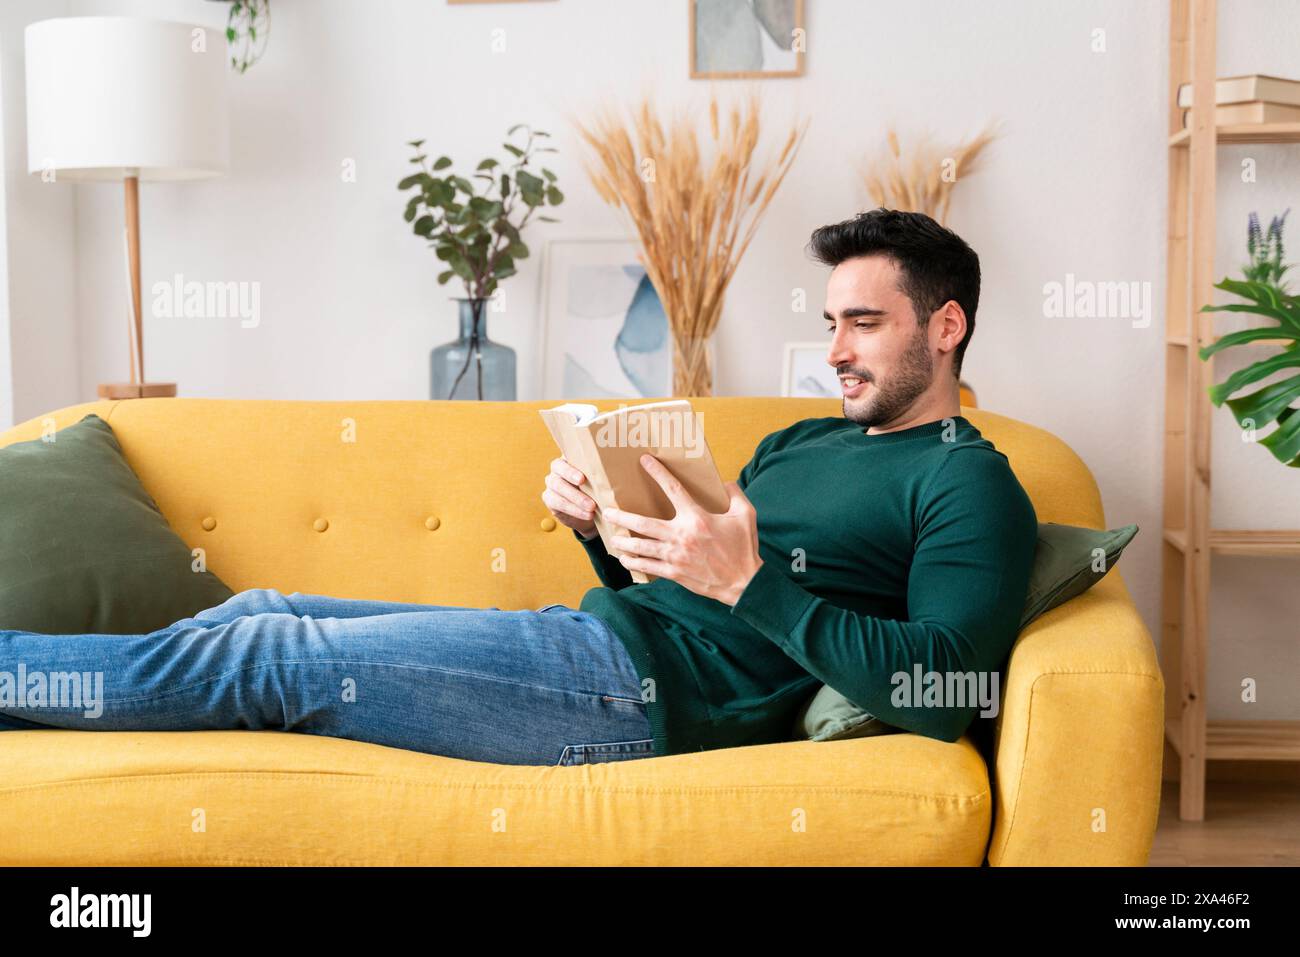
[{"x": 1265, "y": 295}]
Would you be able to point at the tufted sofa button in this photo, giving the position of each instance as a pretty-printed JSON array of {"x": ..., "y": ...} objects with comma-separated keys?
[
  {"x": 432, "y": 522},
  {"x": 548, "y": 524},
  {"x": 209, "y": 523},
  {"x": 320, "y": 524}
]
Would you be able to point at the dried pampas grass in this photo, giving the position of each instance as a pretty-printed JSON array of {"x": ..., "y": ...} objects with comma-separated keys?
[
  {"x": 694, "y": 216},
  {"x": 925, "y": 183}
]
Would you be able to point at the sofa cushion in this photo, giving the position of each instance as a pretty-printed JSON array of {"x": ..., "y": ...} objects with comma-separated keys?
[
  {"x": 113, "y": 798},
  {"x": 1067, "y": 562},
  {"x": 83, "y": 547}
]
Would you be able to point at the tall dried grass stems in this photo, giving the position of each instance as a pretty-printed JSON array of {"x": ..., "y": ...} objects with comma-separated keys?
[
  {"x": 695, "y": 216},
  {"x": 924, "y": 183}
]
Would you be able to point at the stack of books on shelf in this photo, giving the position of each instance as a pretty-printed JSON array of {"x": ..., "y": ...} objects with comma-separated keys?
[{"x": 1248, "y": 99}]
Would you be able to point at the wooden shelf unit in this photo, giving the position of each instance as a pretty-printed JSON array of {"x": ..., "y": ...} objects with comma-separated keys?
[
  {"x": 1189, "y": 541},
  {"x": 1241, "y": 541},
  {"x": 1245, "y": 133}
]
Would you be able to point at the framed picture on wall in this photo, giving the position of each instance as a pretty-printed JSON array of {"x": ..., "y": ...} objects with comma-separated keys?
[
  {"x": 604, "y": 333},
  {"x": 747, "y": 39},
  {"x": 806, "y": 373}
]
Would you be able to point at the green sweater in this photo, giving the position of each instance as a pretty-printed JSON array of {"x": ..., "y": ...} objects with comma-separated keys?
[{"x": 881, "y": 553}]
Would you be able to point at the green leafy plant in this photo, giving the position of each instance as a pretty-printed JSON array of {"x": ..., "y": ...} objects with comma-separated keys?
[
  {"x": 478, "y": 232},
  {"x": 1265, "y": 293},
  {"x": 247, "y": 30},
  {"x": 1265, "y": 251}
]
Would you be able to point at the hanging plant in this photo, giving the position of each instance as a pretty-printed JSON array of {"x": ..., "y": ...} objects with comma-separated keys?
[
  {"x": 1265, "y": 293},
  {"x": 247, "y": 30}
]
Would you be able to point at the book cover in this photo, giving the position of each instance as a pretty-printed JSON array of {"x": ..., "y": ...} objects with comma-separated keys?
[
  {"x": 1243, "y": 89},
  {"x": 1257, "y": 112},
  {"x": 607, "y": 448}
]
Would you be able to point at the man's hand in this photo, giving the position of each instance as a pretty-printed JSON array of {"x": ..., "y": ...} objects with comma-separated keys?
[
  {"x": 712, "y": 555},
  {"x": 569, "y": 504}
]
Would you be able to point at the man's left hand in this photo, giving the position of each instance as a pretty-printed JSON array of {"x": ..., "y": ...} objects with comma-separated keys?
[{"x": 714, "y": 555}]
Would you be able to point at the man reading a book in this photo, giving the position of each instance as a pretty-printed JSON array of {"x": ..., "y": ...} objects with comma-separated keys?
[
  {"x": 858, "y": 551},
  {"x": 890, "y": 541}
]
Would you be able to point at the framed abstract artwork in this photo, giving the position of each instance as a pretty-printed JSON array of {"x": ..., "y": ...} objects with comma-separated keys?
[
  {"x": 806, "y": 373},
  {"x": 747, "y": 39},
  {"x": 604, "y": 333}
]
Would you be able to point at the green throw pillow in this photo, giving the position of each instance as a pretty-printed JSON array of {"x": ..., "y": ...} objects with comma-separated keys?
[
  {"x": 83, "y": 547},
  {"x": 1063, "y": 569}
]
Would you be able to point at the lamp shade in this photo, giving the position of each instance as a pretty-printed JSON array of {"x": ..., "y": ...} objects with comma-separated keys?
[{"x": 109, "y": 97}]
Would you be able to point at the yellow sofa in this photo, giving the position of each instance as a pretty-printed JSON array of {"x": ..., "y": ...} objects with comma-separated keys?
[{"x": 406, "y": 501}]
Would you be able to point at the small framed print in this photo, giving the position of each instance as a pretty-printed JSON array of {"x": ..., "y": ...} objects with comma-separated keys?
[
  {"x": 805, "y": 373},
  {"x": 735, "y": 39},
  {"x": 604, "y": 333}
]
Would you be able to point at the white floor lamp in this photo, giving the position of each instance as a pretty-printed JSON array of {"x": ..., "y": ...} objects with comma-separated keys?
[{"x": 125, "y": 99}]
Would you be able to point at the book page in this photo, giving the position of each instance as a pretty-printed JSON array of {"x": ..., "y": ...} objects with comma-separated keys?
[{"x": 576, "y": 448}]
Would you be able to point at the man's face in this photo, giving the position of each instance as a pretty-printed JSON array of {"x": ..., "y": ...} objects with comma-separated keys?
[{"x": 875, "y": 337}]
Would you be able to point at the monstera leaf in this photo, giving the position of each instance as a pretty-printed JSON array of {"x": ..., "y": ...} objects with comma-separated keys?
[{"x": 1272, "y": 403}]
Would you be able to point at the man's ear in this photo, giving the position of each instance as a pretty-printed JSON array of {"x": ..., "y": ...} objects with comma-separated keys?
[{"x": 953, "y": 319}]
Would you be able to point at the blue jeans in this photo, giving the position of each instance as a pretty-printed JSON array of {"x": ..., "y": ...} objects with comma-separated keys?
[{"x": 552, "y": 686}]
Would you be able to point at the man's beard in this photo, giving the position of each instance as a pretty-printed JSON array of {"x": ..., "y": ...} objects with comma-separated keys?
[{"x": 892, "y": 398}]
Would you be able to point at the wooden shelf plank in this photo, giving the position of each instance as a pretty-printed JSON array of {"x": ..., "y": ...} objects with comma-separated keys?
[
  {"x": 1248, "y": 541},
  {"x": 1255, "y": 542},
  {"x": 1244, "y": 740},
  {"x": 1245, "y": 133},
  {"x": 1182, "y": 340}
]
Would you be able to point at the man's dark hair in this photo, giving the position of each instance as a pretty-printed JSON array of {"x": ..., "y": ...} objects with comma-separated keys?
[{"x": 935, "y": 263}]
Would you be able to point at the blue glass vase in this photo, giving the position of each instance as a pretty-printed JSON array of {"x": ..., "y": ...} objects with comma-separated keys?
[{"x": 473, "y": 366}]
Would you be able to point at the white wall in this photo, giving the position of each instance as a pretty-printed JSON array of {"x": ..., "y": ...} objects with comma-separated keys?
[
  {"x": 350, "y": 307},
  {"x": 38, "y": 320},
  {"x": 6, "y": 358}
]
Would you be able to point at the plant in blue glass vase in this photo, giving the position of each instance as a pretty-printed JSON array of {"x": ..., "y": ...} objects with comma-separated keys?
[
  {"x": 476, "y": 230},
  {"x": 1265, "y": 293}
]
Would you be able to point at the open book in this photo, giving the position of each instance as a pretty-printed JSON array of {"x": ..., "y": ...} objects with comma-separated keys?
[{"x": 607, "y": 449}]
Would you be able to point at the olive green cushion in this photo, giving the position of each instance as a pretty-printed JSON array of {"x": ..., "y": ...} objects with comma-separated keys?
[
  {"x": 83, "y": 548},
  {"x": 1067, "y": 562}
]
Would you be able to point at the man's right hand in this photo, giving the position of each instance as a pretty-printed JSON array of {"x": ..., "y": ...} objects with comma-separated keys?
[{"x": 568, "y": 503}]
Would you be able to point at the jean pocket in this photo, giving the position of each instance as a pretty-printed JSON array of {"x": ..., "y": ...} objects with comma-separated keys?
[
  {"x": 609, "y": 751},
  {"x": 624, "y": 700}
]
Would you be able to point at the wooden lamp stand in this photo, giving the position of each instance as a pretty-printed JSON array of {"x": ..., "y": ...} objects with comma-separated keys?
[{"x": 137, "y": 388}]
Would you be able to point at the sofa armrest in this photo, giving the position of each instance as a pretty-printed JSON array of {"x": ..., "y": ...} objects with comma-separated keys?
[{"x": 1079, "y": 741}]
